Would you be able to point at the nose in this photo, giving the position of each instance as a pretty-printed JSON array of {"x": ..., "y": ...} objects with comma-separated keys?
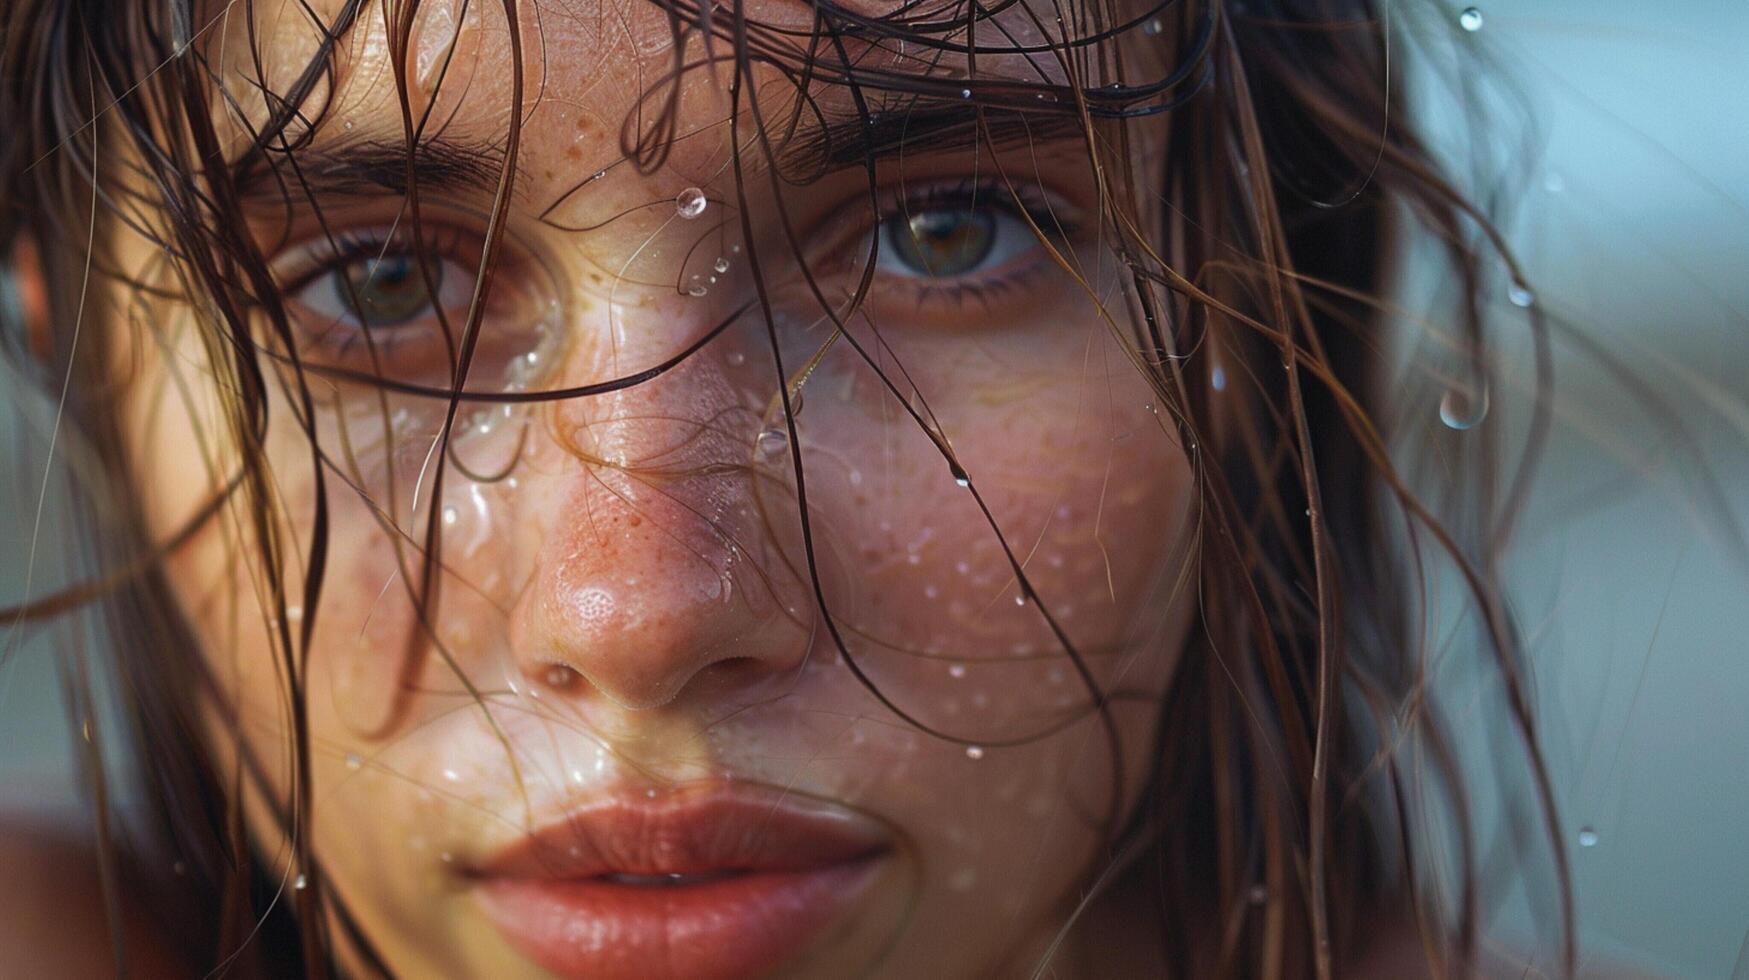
[{"x": 655, "y": 578}]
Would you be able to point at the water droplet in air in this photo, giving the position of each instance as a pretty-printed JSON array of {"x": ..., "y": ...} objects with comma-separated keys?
[
  {"x": 770, "y": 444},
  {"x": 1587, "y": 837},
  {"x": 721, "y": 265},
  {"x": 1460, "y": 411},
  {"x": 974, "y": 752},
  {"x": 1520, "y": 295},
  {"x": 353, "y": 762},
  {"x": 690, "y": 203},
  {"x": 956, "y": 671},
  {"x": 1470, "y": 20}
]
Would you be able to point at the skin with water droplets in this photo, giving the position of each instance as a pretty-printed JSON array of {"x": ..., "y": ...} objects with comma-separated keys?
[{"x": 636, "y": 608}]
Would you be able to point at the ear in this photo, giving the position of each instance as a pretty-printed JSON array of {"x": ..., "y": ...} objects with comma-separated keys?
[{"x": 33, "y": 297}]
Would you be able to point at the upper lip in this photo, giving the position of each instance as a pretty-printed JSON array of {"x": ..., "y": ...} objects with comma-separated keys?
[{"x": 699, "y": 829}]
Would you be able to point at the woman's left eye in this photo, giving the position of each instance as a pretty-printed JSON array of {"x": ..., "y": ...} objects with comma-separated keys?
[{"x": 952, "y": 240}]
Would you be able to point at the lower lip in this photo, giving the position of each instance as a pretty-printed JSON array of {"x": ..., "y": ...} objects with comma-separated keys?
[{"x": 744, "y": 925}]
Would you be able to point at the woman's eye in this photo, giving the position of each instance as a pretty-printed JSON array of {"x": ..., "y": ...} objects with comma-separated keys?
[
  {"x": 952, "y": 241},
  {"x": 386, "y": 290}
]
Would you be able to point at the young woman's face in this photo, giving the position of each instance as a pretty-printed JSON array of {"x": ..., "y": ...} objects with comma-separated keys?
[{"x": 655, "y": 724}]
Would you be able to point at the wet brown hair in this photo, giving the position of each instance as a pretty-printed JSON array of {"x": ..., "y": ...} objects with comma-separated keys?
[{"x": 1299, "y": 737}]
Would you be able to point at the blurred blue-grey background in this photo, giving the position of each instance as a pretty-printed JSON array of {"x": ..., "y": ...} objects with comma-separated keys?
[{"x": 1631, "y": 215}]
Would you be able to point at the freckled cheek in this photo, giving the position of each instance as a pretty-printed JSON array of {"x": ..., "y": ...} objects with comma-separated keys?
[{"x": 1091, "y": 502}]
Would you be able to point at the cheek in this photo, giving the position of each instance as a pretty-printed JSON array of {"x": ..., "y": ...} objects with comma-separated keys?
[{"x": 1071, "y": 476}]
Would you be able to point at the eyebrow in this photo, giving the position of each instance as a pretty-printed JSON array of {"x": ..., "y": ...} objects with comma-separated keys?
[
  {"x": 360, "y": 167},
  {"x": 922, "y": 126}
]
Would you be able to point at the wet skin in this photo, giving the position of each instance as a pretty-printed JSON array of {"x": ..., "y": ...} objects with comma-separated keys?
[{"x": 627, "y": 609}]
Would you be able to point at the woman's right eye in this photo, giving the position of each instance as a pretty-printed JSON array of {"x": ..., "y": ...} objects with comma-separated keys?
[
  {"x": 387, "y": 290},
  {"x": 372, "y": 305}
]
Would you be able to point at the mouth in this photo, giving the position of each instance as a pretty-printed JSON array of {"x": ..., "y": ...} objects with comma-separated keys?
[{"x": 712, "y": 880}]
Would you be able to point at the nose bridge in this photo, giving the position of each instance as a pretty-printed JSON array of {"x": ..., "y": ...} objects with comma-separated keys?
[{"x": 652, "y": 571}]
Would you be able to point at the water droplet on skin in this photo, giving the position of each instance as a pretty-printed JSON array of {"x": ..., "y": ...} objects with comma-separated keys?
[
  {"x": 1520, "y": 295},
  {"x": 696, "y": 290},
  {"x": 1020, "y": 600},
  {"x": 690, "y": 203},
  {"x": 721, "y": 265},
  {"x": 1459, "y": 411},
  {"x": 965, "y": 93},
  {"x": 353, "y": 762},
  {"x": 300, "y": 883},
  {"x": 1587, "y": 837},
  {"x": 1218, "y": 378},
  {"x": 931, "y": 592},
  {"x": 294, "y": 614},
  {"x": 559, "y": 676},
  {"x": 1153, "y": 28},
  {"x": 1470, "y": 20},
  {"x": 597, "y": 175},
  {"x": 450, "y": 516},
  {"x": 736, "y": 358},
  {"x": 1554, "y": 183},
  {"x": 650, "y": 793},
  {"x": 956, "y": 671},
  {"x": 451, "y": 775},
  {"x": 770, "y": 444},
  {"x": 347, "y": 124},
  {"x": 974, "y": 752}
]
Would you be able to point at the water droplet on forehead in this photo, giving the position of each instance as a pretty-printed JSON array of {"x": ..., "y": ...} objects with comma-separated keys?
[
  {"x": 690, "y": 203},
  {"x": 974, "y": 752},
  {"x": 956, "y": 671},
  {"x": 1587, "y": 837},
  {"x": 1470, "y": 19}
]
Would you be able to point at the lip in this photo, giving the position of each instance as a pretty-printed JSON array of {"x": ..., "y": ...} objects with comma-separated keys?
[{"x": 711, "y": 880}]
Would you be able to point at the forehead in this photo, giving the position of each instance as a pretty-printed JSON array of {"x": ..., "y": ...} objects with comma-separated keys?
[{"x": 568, "y": 48}]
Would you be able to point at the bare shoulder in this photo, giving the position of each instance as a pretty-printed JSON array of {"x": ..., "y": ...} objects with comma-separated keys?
[{"x": 53, "y": 921}]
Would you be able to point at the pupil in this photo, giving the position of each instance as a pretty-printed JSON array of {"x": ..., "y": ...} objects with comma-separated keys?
[
  {"x": 947, "y": 242},
  {"x": 387, "y": 291}
]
